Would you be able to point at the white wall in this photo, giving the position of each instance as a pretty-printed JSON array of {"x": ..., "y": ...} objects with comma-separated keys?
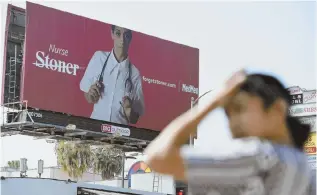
[
  {"x": 16, "y": 186},
  {"x": 53, "y": 173},
  {"x": 275, "y": 37},
  {"x": 28, "y": 186},
  {"x": 144, "y": 182},
  {"x": 113, "y": 183}
]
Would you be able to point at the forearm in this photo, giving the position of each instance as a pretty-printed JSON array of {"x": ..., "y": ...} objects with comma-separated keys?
[
  {"x": 87, "y": 97},
  {"x": 163, "y": 153},
  {"x": 178, "y": 131},
  {"x": 132, "y": 115},
  {"x": 186, "y": 124}
]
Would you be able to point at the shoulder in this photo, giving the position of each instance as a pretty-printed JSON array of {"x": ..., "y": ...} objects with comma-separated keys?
[
  {"x": 261, "y": 153},
  {"x": 98, "y": 58},
  {"x": 101, "y": 54},
  {"x": 135, "y": 73},
  {"x": 231, "y": 149},
  {"x": 312, "y": 184}
]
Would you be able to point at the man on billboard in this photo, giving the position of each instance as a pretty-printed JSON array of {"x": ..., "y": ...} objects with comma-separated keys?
[{"x": 113, "y": 84}]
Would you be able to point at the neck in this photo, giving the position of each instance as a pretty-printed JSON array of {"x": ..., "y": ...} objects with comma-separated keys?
[
  {"x": 281, "y": 136},
  {"x": 120, "y": 55}
]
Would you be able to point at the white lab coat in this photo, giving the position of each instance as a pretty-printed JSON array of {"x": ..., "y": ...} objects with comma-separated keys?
[{"x": 115, "y": 74}]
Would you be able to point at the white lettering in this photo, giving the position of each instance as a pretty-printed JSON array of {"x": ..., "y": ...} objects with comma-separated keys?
[
  {"x": 40, "y": 59},
  {"x": 69, "y": 67},
  {"x": 36, "y": 115},
  {"x": 76, "y": 67},
  {"x": 189, "y": 89},
  {"x": 294, "y": 90},
  {"x": 296, "y": 101},
  {"x": 106, "y": 128},
  {"x": 53, "y": 64},
  {"x": 59, "y": 51},
  {"x": 157, "y": 82},
  {"x": 43, "y": 60},
  {"x": 47, "y": 65},
  {"x": 60, "y": 65}
]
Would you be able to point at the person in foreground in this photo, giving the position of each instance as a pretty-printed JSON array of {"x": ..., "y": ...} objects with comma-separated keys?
[{"x": 273, "y": 163}]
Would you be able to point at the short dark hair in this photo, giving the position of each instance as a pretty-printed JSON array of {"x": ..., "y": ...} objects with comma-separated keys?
[
  {"x": 113, "y": 27},
  {"x": 269, "y": 89}
]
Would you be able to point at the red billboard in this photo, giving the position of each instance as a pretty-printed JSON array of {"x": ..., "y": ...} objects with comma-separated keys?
[{"x": 105, "y": 72}]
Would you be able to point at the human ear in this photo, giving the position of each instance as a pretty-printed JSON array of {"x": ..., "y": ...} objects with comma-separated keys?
[
  {"x": 112, "y": 35},
  {"x": 280, "y": 108}
]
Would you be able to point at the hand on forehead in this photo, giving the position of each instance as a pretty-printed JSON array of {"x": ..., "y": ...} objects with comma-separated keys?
[{"x": 238, "y": 98}]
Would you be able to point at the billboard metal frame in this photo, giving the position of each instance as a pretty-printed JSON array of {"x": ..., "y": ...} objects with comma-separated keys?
[{"x": 55, "y": 126}]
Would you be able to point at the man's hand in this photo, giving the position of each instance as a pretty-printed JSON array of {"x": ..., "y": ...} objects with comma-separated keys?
[
  {"x": 127, "y": 106},
  {"x": 94, "y": 93},
  {"x": 164, "y": 151},
  {"x": 131, "y": 115},
  {"x": 231, "y": 87},
  {"x": 126, "y": 102}
]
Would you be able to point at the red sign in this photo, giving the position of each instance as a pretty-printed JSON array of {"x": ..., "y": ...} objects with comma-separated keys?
[
  {"x": 310, "y": 150},
  {"x": 310, "y": 144},
  {"x": 84, "y": 67},
  {"x": 106, "y": 128}
]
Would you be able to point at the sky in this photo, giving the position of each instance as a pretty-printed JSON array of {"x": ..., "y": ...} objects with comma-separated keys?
[{"x": 273, "y": 37}]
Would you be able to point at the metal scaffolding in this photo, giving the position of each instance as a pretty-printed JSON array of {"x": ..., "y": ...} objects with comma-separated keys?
[
  {"x": 13, "y": 63},
  {"x": 18, "y": 120}
]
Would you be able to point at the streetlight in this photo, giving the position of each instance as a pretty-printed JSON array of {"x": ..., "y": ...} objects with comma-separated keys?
[
  {"x": 23, "y": 167},
  {"x": 40, "y": 166},
  {"x": 193, "y": 102},
  {"x": 123, "y": 165}
]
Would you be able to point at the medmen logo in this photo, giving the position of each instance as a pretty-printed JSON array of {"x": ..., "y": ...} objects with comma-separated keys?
[{"x": 189, "y": 89}]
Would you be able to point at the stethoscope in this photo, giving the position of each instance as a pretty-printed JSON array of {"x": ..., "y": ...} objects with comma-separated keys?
[{"x": 128, "y": 80}]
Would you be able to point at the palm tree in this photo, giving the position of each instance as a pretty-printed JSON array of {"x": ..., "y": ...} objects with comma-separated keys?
[
  {"x": 107, "y": 161},
  {"x": 75, "y": 159},
  {"x": 14, "y": 164}
]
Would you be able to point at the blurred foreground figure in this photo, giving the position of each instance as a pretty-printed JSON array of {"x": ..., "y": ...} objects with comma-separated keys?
[{"x": 273, "y": 162}]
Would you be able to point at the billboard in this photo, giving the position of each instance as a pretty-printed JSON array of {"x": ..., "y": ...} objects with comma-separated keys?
[
  {"x": 310, "y": 144},
  {"x": 311, "y": 121},
  {"x": 302, "y": 110},
  {"x": 90, "y": 69}
]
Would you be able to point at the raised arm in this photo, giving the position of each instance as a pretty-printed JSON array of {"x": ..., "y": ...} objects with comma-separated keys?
[{"x": 164, "y": 153}]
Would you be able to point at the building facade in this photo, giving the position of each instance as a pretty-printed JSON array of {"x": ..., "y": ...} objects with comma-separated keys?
[{"x": 303, "y": 106}]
